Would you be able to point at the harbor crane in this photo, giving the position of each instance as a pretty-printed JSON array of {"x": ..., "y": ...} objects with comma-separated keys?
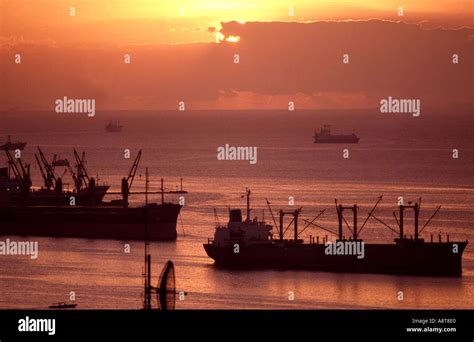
[
  {"x": 21, "y": 171},
  {"x": 46, "y": 170}
]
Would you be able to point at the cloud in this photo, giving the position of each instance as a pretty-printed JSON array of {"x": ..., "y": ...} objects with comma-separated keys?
[
  {"x": 11, "y": 42},
  {"x": 278, "y": 61}
]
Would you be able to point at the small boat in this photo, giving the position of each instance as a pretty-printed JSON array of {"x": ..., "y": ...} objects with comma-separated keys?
[
  {"x": 62, "y": 305},
  {"x": 113, "y": 126},
  {"x": 11, "y": 146}
]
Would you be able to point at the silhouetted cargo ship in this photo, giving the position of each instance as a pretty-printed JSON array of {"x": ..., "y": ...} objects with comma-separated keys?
[
  {"x": 101, "y": 222},
  {"x": 324, "y": 136},
  {"x": 250, "y": 244},
  {"x": 82, "y": 213}
]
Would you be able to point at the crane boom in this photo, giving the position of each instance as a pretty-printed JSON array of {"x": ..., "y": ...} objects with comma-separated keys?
[
  {"x": 77, "y": 181},
  {"x": 25, "y": 169},
  {"x": 370, "y": 213},
  {"x": 13, "y": 165},
  {"x": 271, "y": 213},
  {"x": 43, "y": 174},
  {"x": 50, "y": 179},
  {"x": 133, "y": 170},
  {"x": 82, "y": 175}
]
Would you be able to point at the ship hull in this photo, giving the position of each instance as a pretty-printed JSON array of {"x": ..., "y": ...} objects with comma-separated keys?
[
  {"x": 424, "y": 259},
  {"x": 45, "y": 197},
  {"x": 116, "y": 223},
  {"x": 349, "y": 139}
]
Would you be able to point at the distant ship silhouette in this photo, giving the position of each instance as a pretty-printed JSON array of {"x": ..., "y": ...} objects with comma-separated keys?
[
  {"x": 114, "y": 127},
  {"x": 324, "y": 136}
]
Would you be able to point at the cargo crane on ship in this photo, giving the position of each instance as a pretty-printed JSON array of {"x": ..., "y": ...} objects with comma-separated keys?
[
  {"x": 126, "y": 183},
  {"x": 46, "y": 169},
  {"x": 19, "y": 188},
  {"x": 126, "y": 186},
  {"x": 86, "y": 192},
  {"x": 86, "y": 187},
  {"x": 21, "y": 173},
  {"x": 82, "y": 179},
  {"x": 75, "y": 179}
]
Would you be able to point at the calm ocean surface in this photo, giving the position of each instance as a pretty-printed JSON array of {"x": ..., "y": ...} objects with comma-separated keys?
[{"x": 398, "y": 155}]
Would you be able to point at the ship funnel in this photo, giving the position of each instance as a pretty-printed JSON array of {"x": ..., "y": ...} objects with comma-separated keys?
[{"x": 235, "y": 215}]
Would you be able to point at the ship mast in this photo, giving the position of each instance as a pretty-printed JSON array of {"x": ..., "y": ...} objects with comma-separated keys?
[
  {"x": 416, "y": 209},
  {"x": 147, "y": 289},
  {"x": 247, "y": 194},
  {"x": 162, "y": 191},
  {"x": 340, "y": 208},
  {"x": 295, "y": 214}
]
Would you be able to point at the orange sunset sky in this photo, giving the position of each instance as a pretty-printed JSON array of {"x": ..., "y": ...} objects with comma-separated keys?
[{"x": 184, "y": 51}]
